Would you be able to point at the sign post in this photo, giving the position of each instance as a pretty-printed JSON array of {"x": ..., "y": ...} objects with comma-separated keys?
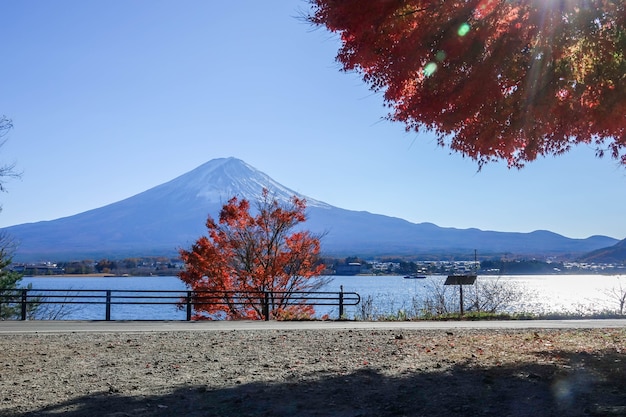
[{"x": 460, "y": 280}]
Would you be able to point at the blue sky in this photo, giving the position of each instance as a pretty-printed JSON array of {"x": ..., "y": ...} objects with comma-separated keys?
[{"x": 110, "y": 98}]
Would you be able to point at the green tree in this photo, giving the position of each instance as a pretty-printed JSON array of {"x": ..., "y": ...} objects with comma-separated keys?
[
  {"x": 407, "y": 267},
  {"x": 130, "y": 263},
  {"x": 106, "y": 266},
  {"x": 77, "y": 267},
  {"x": 9, "y": 282}
]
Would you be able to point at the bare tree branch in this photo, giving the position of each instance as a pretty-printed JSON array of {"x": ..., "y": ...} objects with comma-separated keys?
[{"x": 7, "y": 171}]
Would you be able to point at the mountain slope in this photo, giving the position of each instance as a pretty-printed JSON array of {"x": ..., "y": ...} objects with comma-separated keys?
[
  {"x": 611, "y": 254},
  {"x": 372, "y": 234},
  {"x": 172, "y": 215},
  {"x": 158, "y": 220}
]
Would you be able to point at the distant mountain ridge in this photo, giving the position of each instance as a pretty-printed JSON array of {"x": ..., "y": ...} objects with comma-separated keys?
[
  {"x": 172, "y": 215},
  {"x": 611, "y": 254}
]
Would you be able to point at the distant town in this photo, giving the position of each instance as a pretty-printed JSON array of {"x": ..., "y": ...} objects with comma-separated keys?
[{"x": 164, "y": 266}]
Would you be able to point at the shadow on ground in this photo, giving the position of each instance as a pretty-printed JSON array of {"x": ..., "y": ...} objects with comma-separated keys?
[{"x": 581, "y": 385}]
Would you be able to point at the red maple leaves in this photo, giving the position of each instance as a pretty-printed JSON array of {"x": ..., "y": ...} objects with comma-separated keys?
[
  {"x": 252, "y": 265},
  {"x": 494, "y": 79}
]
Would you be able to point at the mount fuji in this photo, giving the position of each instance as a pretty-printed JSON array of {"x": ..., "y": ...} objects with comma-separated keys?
[{"x": 172, "y": 215}]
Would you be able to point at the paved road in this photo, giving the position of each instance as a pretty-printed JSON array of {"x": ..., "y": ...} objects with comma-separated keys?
[{"x": 14, "y": 327}]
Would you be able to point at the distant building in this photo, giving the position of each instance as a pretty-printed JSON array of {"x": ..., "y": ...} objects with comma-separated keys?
[
  {"x": 41, "y": 268},
  {"x": 353, "y": 268}
]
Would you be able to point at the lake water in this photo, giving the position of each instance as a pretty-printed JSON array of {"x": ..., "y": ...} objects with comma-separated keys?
[{"x": 389, "y": 294}]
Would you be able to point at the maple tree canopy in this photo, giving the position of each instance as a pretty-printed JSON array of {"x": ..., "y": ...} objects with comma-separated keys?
[
  {"x": 246, "y": 256},
  {"x": 495, "y": 79}
]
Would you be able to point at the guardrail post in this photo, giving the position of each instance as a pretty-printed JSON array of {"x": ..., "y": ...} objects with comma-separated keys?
[
  {"x": 108, "y": 306},
  {"x": 188, "y": 305},
  {"x": 461, "y": 299},
  {"x": 266, "y": 305},
  {"x": 340, "y": 302},
  {"x": 24, "y": 300}
]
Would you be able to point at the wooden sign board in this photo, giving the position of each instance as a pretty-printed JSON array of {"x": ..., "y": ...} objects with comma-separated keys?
[{"x": 460, "y": 280}]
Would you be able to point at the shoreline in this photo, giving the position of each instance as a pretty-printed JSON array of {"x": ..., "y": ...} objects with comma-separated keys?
[
  {"x": 516, "y": 274},
  {"x": 94, "y": 275}
]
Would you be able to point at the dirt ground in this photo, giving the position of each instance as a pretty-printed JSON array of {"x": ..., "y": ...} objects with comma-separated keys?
[{"x": 316, "y": 373}]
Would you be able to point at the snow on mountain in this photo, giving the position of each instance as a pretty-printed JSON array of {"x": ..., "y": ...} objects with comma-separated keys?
[{"x": 221, "y": 179}]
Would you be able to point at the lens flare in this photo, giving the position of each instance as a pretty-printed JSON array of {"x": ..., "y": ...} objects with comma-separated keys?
[
  {"x": 463, "y": 29},
  {"x": 430, "y": 69}
]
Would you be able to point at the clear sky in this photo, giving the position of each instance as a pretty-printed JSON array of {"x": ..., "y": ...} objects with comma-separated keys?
[{"x": 110, "y": 98}]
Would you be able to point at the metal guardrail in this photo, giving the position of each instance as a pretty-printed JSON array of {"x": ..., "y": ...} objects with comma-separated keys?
[{"x": 183, "y": 299}]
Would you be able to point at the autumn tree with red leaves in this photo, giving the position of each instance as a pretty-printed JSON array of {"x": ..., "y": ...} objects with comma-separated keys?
[
  {"x": 247, "y": 259},
  {"x": 494, "y": 79}
]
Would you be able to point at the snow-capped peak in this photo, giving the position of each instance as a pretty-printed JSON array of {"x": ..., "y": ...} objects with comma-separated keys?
[{"x": 221, "y": 179}]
